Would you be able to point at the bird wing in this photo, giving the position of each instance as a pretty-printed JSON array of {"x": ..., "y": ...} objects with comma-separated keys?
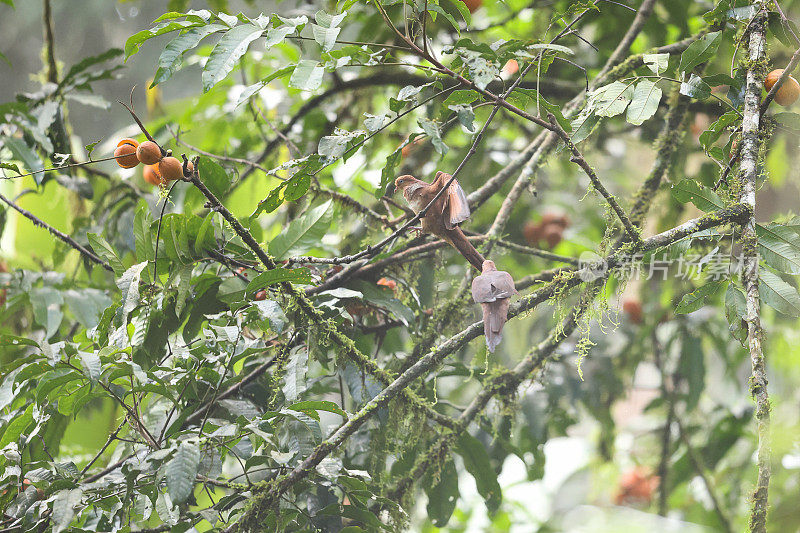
[
  {"x": 456, "y": 207},
  {"x": 493, "y": 286}
]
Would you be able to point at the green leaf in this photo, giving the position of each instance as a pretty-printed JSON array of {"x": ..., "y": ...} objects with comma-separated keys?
[
  {"x": 462, "y": 97},
  {"x": 715, "y": 130},
  {"x": 700, "y": 51},
  {"x": 583, "y": 126},
  {"x": 788, "y": 119},
  {"x": 17, "y": 426},
  {"x": 270, "y": 310},
  {"x": 476, "y": 461},
  {"x": 279, "y": 275},
  {"x": 303, "y": 233},
  {"x": 695, "y": 88},
  {"x": 689, "y": 190},
  {"x": 443, "y": 496},
  {"x": 735, "y": 312},
  {"x": 692, "y": 367},
  {"x": 779, "y": 246},
  {"x": 46, "y": 303},
  {"x": 778, "y": 294},
  {"x": 64, "y": 508},
  {"x": 657, "y": 63},
  {"x": 91, "y": 365},
  {"x": 181, "y": 470},
  {"x": 431, "y": 128},
  {"x": 294, "y": 381},
  {"x": 170, "y": 59},
  {"x": 128, "y": 284},
  {"x": 612, "y": 99},
  {"x": 272, "y": 202},
  {"x": 307, "y": 75},
  {"x": 137, "y": 39},
  {"x": 326, "y": 37},
  {"x": 104, "y": 250},
  {"x": 318, "y": 405},
  {"x": 87, "y": 305},
  {"x": 646, "y": 97},
  {"x": 213, "y": 176},
  {"x": 227, "y": 52},
  {"x": 696, "y": 299}
]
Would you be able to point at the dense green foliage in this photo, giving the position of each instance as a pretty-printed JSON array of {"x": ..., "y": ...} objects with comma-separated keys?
[{"x": 246, "y": 349}]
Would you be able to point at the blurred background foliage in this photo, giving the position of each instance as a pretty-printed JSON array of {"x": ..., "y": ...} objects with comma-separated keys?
[{"x": 656, "y": 434}]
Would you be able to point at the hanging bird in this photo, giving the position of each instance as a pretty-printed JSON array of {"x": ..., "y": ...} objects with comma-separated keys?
[
  {"x": 449, "y": 210},
  {"x": 492, "y": 289}
]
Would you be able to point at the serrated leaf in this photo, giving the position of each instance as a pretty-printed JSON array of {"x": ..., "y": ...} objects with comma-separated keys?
[
  {"x": 104, "y": 250},
  {"x": 303, "y": 233},
  {"x": 700, "y": 51},
  {"x": 644, "y": 104},
  {"x": 779, "y": 246},
  {"x": 225, "y": 55},
  {"x": 181, "y": 470},
  {"x": 778, "y": 294}
]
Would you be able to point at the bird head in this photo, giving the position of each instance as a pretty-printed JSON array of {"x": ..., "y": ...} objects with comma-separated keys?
[
  {"x": 488, "y": 266},
  {"x": 404, "y": 181}
]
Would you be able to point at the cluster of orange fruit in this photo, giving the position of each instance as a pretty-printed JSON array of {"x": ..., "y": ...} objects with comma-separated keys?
[
  {"x": 158, "y": 170},
  {"x": 549, "y": 229}
]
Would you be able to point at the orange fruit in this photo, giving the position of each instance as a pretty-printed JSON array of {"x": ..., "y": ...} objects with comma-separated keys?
[
  {"x": 171, "y": 169},
  {"x": 789, "y": 91},
  {"x": 260, "y": 296},
  {"x": 386, "y": 282},
  {"x": 125, "y": 153},
  {"x": 153, "y": 176},
  {"x": 511, "y": 67},
  {"x": 473, "y": 5},
  {"x": 636, "y": 486},
  {"x": 552, "y": 235},
  {"x": 148, "y": 153},
  {"x": 633, "y": 308}
]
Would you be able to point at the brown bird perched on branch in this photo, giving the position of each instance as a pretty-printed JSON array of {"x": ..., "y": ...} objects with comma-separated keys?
[
  {"x": 449, "y": 210},
  {"x": 492, "y": 289}
]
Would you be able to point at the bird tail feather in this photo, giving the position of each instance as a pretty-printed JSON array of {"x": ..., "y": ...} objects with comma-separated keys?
[{"x": 466, "y": 249}]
